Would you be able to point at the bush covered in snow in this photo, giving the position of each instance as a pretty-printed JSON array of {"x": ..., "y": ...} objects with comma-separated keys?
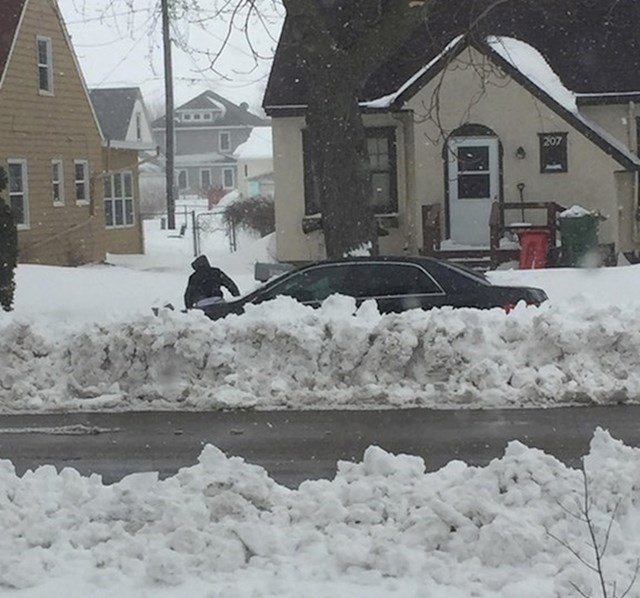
[{"x": 255, "y": 213}]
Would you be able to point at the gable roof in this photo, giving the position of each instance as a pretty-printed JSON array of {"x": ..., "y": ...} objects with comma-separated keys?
[
  {"x": 10, "y": 14},
  {"x": 528, "y": 67},
  {"x": 525, "y": 65},
  {"x": 114, "y": 108},
  {"x": 592, "y": 45},
  {"x": 232, "y": 114}
]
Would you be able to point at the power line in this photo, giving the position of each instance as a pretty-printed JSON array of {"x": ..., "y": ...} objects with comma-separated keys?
[{"x": 103, "y": 18}]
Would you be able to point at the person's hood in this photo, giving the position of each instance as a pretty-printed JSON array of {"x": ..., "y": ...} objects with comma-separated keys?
[{"x": 200, "y": 263}]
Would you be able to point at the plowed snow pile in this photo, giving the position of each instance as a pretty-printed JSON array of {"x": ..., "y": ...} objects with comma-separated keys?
[
  {"x": 284, "y": 355},
  {"x": 381, "y": 528}
]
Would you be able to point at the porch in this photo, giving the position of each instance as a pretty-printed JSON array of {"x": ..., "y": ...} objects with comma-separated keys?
[{"x": 500, "y": 224}]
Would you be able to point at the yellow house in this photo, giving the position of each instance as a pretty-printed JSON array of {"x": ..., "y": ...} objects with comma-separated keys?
[
  {"x": 465, "y": 127},
  {"x": 52, "y": 147}
]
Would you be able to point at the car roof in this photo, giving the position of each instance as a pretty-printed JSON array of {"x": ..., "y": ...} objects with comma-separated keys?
[
  {"x": 423, "y": 261},
  {"x": 407, "y": 259}
]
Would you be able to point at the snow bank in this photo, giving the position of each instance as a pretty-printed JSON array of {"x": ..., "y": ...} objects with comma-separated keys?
[
  {"x": 382, "y": 527},
  {"x": 284, "y": 355}
]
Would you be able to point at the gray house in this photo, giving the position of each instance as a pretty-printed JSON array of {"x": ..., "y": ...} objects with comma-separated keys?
[{"x": 208, "y": 129}]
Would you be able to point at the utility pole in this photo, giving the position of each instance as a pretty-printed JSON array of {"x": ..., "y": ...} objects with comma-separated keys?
[{"x": 169, "y": 124}]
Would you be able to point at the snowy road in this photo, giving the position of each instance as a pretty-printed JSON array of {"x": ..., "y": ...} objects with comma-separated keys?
[{"x": 292, "y": 445}]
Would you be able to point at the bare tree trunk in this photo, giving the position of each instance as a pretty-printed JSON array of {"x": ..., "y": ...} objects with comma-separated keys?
[
  {"x": 338, "y": 149},
  {"x": 340, "y": 49}
]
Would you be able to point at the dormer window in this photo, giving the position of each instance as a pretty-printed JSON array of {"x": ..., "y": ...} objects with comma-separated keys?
[
  {"x": 45, "y": 65},
  {"x": 198, "y": 115}
]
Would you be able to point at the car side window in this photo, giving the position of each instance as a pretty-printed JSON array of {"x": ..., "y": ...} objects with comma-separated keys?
[
  {"x": 383, "y": 279},
  {"x": 315, "y": 284},
  {"x": 456, "y": 279}
]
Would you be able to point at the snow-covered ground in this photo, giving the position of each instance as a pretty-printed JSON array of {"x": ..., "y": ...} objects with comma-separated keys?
[{"x": 85, "y": 338}]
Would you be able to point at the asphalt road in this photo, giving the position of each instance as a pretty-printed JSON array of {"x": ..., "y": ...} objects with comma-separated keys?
[{"x": 298, "y": 445}]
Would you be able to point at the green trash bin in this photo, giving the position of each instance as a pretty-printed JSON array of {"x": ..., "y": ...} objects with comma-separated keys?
[{"x": 578, "y": 235}]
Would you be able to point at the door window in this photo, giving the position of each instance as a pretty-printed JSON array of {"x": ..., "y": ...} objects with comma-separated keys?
[{"x": 474, "y": 175}]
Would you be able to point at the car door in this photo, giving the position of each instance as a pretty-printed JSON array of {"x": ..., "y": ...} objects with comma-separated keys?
[
  {"x": 396, "y": 286},
  {"x": 312, "y": 285}
]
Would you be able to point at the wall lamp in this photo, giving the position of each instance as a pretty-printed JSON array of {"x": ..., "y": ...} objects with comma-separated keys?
[{"x": 520, "y": 153}]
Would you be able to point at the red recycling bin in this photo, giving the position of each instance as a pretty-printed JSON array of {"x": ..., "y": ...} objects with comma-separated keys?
[{"x": 534, "y": 248}]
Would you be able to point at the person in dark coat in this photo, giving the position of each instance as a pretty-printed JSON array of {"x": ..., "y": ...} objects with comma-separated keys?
[{"x": 206, "y": 282}]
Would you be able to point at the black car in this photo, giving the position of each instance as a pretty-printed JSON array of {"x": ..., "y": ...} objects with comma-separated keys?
[{"x": 396, "y": 283}]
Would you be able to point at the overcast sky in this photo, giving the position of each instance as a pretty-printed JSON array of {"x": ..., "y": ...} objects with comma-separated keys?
[{"x": 119, "y": 47}]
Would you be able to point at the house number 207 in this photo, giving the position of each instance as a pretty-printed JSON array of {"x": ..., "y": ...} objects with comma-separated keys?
[{"x": 552, "y": 140}]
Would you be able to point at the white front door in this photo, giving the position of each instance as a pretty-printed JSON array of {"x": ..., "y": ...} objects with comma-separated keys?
[{"x": 473, "y": 186}]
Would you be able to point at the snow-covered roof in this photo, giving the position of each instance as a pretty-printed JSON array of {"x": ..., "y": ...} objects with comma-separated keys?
[
  {"x": 10, "y": 14},
  {"x": 530, "y": 63},
  {"x": 534, "y": 67},
  {"x": 388, "y": 100},
  {"x": 201, "y": 159},
  {"x": 258, "y": 146},
  {"x": 219, "y": 105},
  {"x": 593, "y": 45},
  {"x": 527, "y": 62}
]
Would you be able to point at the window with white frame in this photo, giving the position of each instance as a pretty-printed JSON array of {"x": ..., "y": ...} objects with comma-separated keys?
[
  {"x": 138, "y": 126},
  {"x": 118, "y": 200},
  {"x": 205, "y": 178},
  {"x": 228, "y": 178},
  {"x": 18, "y": 192},
  {"x": 57, "y": 182},
  {"x": 45, "y": 65},
  {"x": 225, "y": 141},
  {"x": 81, "y": 168},
  {"x": 183, "y": 179}
]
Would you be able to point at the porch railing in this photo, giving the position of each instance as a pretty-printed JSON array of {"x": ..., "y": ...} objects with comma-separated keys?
[
  {"x": 498, "y": 226},
  {"x": 432, "y": 231}
]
